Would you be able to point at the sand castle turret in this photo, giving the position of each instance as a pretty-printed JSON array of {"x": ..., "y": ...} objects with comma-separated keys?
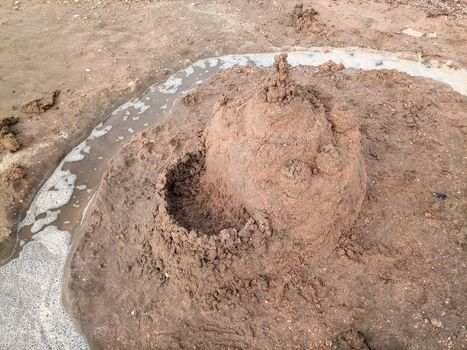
[{"x": 279, "y": 151}]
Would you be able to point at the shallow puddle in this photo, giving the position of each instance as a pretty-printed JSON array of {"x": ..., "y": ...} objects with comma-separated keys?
[{"x": 31, "y": 311}]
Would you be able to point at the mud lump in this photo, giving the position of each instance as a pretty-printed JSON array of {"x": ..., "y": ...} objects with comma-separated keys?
[{"x": 280, "y": 152}]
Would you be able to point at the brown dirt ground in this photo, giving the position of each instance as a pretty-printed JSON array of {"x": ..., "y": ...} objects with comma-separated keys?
[
  {"x": 381, "y": 286},
  {"x": 392, "y": 279},
  {"x": 101, "y": 53}
]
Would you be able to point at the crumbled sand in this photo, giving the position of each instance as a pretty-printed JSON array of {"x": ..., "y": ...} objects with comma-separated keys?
[
  {"x": 7, "y": 136},
  {"x": 42, "y": 104},
  {"x": 330, "y": 66},
  {"x": 278, "y": 87},
  {"x": 9, "y": 142},
  {"x": 14, "y": 174},
  {"x": 305, "y": 20}
]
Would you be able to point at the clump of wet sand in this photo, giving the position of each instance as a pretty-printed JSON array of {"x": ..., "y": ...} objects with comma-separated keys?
[
  {"x": 280, "y": 151},
  {"x": 41, "y": 104},
  {"x": 16, "y": 188},
  {"x": 302, "y": 19},
  {"x": 276, "y": 209},
  {"x": 7, "y": 135}
]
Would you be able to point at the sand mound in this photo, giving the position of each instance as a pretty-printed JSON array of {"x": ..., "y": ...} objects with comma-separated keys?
[
  {"x": 281, "y": 209},
  {"x": 279, "y": 151},
  {"x": 276, "y": 151},
  {"x": 304, "y": 19}
]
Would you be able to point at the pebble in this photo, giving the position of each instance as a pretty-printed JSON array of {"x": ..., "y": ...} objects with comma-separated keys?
[{"x": 440, "y": 195}]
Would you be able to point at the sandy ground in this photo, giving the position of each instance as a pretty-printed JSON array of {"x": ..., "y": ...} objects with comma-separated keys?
[
  {"x": 325, "y": 211},
  {"x": 100, "y": 53}
]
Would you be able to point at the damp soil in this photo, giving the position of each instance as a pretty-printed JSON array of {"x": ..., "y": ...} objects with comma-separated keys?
[
  {"x": 61, "y": 97},
  {"x": 292, "y": 209}
]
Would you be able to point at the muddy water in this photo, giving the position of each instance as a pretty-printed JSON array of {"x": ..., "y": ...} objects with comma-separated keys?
[{"x": 31, "y": 310}]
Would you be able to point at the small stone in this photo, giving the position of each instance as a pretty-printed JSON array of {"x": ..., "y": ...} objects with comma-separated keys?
[
  {"x": 412, "y": 32},
  {"x": 440, "y": 195}
]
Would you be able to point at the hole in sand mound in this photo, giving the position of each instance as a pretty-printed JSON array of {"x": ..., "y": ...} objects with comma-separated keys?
[{"x": 198, "y": 204}]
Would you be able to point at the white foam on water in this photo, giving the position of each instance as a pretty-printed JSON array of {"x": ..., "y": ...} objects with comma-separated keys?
[
  {"x": 31, "y": 312},
  {"x": 359, "y": 58},
  {"x": 98, "y": 131},
  {"x": 189, "y": 71},
  {"x": 171, "y": 85},
  {"x": 137, "y": 104},
  {"x": 200, "y": 64},
  {"x": 235, "y": 60},
  {"x": 213, "y": 62},
  {"x": 58, "y": 189},
  {"x": 123, "y": 107},
  {"x": 32, "y": 315},
  {"x": 51, "y": 216},
  {"x": 141, "y": 106}
]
